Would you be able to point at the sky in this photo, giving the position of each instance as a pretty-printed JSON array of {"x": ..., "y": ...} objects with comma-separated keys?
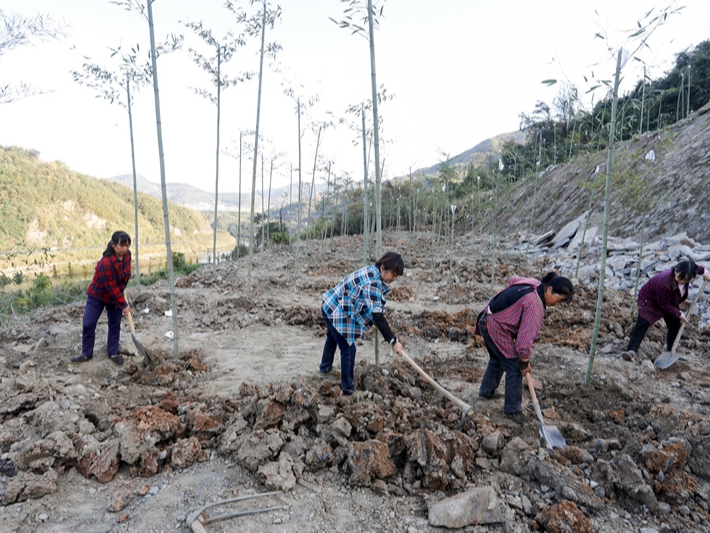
[{"x": 460, "y": 71}]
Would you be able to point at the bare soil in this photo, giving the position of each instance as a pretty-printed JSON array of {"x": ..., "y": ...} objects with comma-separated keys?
[{"x": 247, "y": 376}]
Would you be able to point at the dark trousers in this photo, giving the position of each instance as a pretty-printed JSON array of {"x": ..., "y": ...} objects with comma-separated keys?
[
  {"x": 642, "y": 326},
  {"x": 92, "y": 312},
  {"x": 498, "y": 365},
  {"x": 334, "y": 340}
]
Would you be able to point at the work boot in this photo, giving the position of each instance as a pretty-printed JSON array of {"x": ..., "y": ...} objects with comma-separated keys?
[{"x": 81, "y": 358}]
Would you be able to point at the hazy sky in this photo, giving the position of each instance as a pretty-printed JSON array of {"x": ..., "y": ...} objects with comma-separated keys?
[{"x": 460, "y": 71}]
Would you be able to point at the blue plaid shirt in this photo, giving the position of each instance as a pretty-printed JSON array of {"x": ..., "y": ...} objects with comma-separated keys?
[{"x": 350, "y": 305}]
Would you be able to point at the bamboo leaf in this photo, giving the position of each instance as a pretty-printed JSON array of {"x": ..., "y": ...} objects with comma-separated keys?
[{"x": 548, "y": 82}]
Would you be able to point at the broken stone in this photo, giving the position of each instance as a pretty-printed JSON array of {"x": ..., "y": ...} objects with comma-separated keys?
[
  {"x": 368, "y": 460},
  {"x": 278, "y": 475},
  {"x": 564, "y": 517},
  {"x": 27, "y": 485},
  {"x": 121, "y": 498},
  {"x": 493, "y": 443},
  {"x": 185, "y": 452},
  {"x": 477, "y": 506}
]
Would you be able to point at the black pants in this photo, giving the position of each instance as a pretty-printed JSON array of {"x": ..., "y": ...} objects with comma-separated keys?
[{"x": 642, "y": 326}]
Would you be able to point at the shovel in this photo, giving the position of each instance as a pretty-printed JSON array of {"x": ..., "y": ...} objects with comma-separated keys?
[
  {"x": 553, "y": 437},
  {"x": 465, "y": 408},
  {"x": 148, "y": 359},
  {"x": 667, "y": 358}
]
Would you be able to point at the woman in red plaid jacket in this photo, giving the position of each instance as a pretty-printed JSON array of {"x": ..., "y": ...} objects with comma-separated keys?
[
  {"x": 106, "y": 291},
  {"x": 509, "y": 324},
  {"x": 659, "y": 298}
]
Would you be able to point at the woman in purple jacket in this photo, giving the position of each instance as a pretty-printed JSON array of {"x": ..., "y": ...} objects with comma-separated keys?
[{"x": 659, "y": 298}]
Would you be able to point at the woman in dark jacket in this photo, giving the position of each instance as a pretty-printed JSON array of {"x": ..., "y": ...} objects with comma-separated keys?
[
  {"x": 106, "y": 291},
  {"x": 660, "y": 297}
]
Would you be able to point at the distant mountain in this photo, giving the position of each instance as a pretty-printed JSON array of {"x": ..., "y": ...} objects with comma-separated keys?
[
  {"x": 201, "y": 200},
  {"x": 478, "y": 154},
  {"x": 49, "y": 205}
]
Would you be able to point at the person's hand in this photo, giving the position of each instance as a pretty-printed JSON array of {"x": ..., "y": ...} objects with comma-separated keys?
[
  {"x": 525, "y": 367},
  {"x": 126, "y": 310},
  {"x": 706, "y": 275},
  {"x": 683, "y": 318},
  {"x": 398, "y": 348}
]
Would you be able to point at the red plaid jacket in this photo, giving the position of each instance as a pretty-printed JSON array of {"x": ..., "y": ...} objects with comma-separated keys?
[
  {"x": 514, "y": 329},
  {"x": 661, "y": 296},
  {"x": 110, "y": 279}
]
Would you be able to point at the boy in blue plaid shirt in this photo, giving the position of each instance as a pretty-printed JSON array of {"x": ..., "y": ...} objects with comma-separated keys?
[{"x": 350, "y": 308}]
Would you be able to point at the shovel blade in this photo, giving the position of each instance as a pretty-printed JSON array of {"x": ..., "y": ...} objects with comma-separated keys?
[
  {"x": 666, "y": 359},
  {"x": 552, "y": 436},
  {"x": 141, "y": 350}
]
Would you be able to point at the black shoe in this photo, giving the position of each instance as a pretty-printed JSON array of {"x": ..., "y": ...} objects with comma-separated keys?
[
  {"x": 81, "y": 358},
  {"x": 116, "y": 359},
  {"x": 494, "y": 396},
  {"x": 520, "y": 418}
]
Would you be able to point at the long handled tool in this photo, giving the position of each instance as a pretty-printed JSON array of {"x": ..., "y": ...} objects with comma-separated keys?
[
  {"x": 667, "y": 358},
  {"x": 553, "y": 437},
  {"x": 148, "y": 359},
  {"x": 465, "y": 408}
]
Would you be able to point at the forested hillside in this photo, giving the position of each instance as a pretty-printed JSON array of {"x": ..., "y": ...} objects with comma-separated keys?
[{"x": 49, "y": 205}]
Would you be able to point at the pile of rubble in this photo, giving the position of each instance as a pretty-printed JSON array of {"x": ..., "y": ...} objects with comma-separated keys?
[{"x": 625, "y": 262}]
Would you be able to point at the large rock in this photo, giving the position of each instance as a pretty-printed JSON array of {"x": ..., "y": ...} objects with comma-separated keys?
[
  {"x": 476, "y": 506},
  {"x": 629, "y": 479},
  {"x": 369, "y": 460}
]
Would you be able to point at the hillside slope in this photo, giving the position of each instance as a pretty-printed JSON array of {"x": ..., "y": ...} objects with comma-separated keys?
[
  {"x": 49, "y": 205},
  {"x": 675, "y": 187}
]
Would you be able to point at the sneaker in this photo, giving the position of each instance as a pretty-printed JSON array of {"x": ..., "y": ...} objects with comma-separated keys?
[
  {"x": 331, "y": 373},
  {"x": 81, "y": 358},
  {"x": 117, "y": 359},
  {"x": 629, "y": 355},
  {"x": 520, "y": 418}
]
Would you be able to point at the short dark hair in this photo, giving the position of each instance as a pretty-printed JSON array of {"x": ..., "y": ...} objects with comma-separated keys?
[
  {"x": 560, "y": 285},
  {"x": 119, "y": 237},
  {"x": 687, "y": 269},
  {"x": 393, "y": 262}
]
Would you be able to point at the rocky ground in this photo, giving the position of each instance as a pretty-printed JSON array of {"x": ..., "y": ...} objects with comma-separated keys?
[{"x": 243, "y": 410}]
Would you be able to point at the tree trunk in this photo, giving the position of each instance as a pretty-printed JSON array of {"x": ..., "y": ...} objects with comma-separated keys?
[
  {"x": 365, "y": 224},
  {"x": 216, "y": 183},
  {"x": 607, "y": 202},
  {"x": 161, "y": 154},
  {"x": 300, "y": 186},
  {"x": 135, "y": 184},
  {"x": 256, "y": 151}
]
